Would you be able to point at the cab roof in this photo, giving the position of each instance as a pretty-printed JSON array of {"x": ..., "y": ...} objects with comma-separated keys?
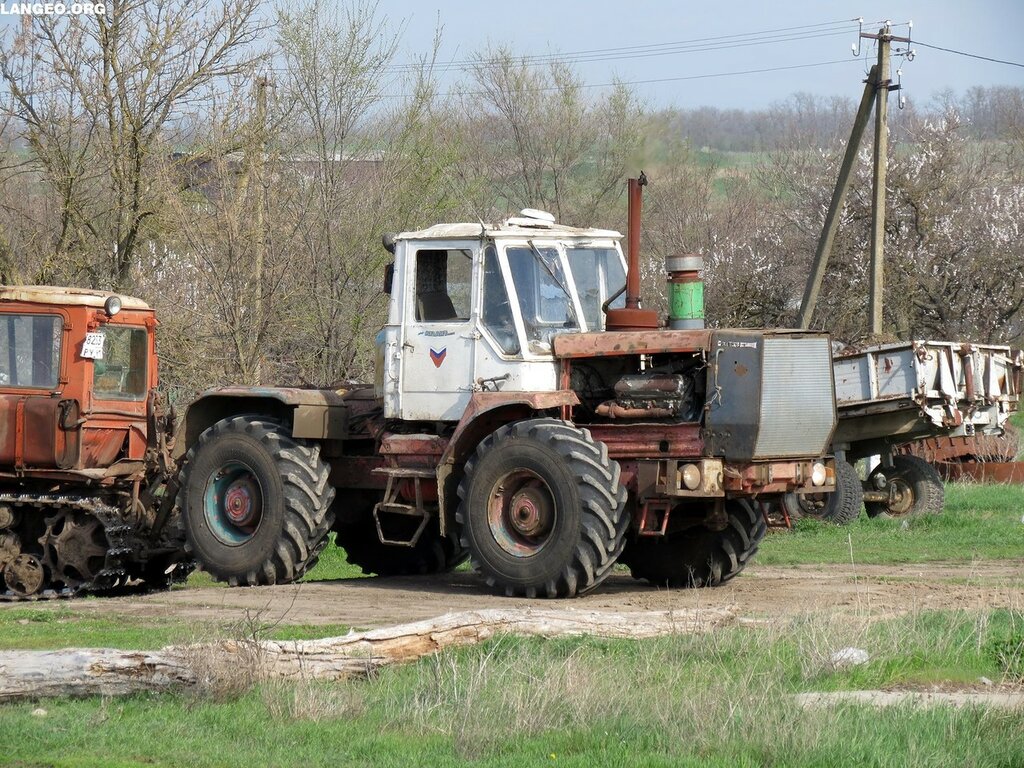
[
  {"x": 78, "y": 297},
  {"x": 529, "y": 224}
]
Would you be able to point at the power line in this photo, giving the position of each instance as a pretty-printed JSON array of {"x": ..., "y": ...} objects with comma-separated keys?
[
  {"x": 784, "y": 34},
  {"x": 964, "y": 53},
  {"x": 693, "y": 45},
  {"x": 657, "y": 80}
]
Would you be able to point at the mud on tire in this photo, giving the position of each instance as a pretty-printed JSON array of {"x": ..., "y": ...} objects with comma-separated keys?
[
  {"x": 541, "y": 510},
  {"x": 256, "y": 502},
  {"x": 698, "y": 556}
]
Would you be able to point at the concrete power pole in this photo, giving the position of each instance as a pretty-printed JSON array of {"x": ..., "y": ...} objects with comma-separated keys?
[
  {"x": 878, "y": 181},
  {"x": 876, "y": 89}
]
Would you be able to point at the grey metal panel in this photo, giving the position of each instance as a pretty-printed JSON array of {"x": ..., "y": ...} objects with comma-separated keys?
[
  {"x": 797, "y": 409},
  {"x": 733, "y": 394}
]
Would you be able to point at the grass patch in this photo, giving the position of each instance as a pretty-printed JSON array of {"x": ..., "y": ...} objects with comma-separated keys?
[
  {"x": 722, "y": 699},
  {"x": 47, "y": 626},
  {"x": 980, "y": 522}
]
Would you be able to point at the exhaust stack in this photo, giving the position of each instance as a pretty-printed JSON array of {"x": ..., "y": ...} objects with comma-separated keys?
[{"x": 632, "y": 317}]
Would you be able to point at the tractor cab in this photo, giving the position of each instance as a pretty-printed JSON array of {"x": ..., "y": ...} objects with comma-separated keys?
[
  {"x": 475, "y": 309},
  {"x": 76, "y": 371}
]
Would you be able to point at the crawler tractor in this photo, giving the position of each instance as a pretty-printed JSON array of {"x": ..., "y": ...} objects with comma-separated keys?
[
  {"x": 525, "y": 414},
  {"x": 85, "y": 465}
]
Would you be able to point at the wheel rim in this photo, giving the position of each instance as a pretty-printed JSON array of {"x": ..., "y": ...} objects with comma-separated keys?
[
  {"x": 812, "y": 504},
  {"x": 521, "y": 513},
  {"x": 233, "y": 504},
  {"x": 901, "y": 497}
]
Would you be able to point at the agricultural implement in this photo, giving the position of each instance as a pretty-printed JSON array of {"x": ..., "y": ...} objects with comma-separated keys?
[{"x": 891, "y": 397}]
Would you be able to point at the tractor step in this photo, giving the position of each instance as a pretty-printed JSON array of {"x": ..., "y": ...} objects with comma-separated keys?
[{"x": 392, "y": 506}]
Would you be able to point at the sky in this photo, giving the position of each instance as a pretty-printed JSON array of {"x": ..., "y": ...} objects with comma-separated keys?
[
  {"x": 788, "y": 32},
  {"x": 686, "y": 45}
]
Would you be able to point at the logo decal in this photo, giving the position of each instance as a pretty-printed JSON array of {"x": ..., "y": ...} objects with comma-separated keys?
[{"x": 437, "y": 357}]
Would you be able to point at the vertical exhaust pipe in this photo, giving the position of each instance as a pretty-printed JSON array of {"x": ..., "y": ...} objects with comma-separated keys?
[{"x": 632, "y": 317}]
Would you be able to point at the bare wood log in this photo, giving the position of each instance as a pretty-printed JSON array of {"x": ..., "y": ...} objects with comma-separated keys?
[{"x": 112, "y": 672}]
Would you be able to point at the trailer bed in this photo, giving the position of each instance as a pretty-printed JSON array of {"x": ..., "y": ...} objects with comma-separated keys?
[{"x": 892, "y": 393}]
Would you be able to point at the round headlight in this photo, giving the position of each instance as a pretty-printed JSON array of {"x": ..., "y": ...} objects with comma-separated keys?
[
  {"x": 112, "y": 305},
  {"x": 691, "y": 476},
  {"x": 818, "y": 474}
]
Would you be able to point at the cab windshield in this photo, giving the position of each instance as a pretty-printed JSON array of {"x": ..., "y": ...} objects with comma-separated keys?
[{"x": 560, "y": 288}]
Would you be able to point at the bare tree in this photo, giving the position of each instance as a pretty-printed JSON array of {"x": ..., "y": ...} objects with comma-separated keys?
[{"x": 97, "y": 96}]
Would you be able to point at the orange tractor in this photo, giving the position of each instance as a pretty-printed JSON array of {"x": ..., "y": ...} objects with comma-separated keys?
[{"x": 86, "y": 479}]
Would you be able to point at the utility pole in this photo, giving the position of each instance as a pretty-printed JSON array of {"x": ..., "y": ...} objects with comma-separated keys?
[
  {"x": 835, "y": 207},
  {"x": 876, "y": 88},
  {"x": 878, "y": 181}
]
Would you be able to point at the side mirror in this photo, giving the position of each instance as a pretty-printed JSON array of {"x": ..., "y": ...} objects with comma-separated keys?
[{"x": 389, "y": 277}]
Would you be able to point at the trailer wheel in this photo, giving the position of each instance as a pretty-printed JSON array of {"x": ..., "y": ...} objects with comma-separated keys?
[
  {"x": 433, "y": 553},
  {"x": 916, "y": 489},
  {"x": 842, "y": 506},
  {"x": 256, "y": 502},
  {"x": 541, "y": 510}
]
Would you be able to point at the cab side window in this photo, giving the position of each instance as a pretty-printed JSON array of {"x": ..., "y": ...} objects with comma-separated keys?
[
  {"x": 121, "y": 373},
  {"x": 444, "y": 281},
  {"x": 497, "y": 312}
]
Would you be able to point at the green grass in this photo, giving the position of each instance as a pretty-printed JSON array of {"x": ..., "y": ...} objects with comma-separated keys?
[
  {"x": 53, "y": 625},
  {"x": 722, "y": 699},
  {"x": 980, "y": 522}
]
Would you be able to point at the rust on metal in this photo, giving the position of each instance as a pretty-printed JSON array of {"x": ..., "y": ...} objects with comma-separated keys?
[
  {"x": 393, "y": 444},
  {"x": 649, "y": 441},
  {"x": 618, "y": 343},
  {"x": 983, "y": 471},
  {"x": 632, "y": 317},
  {"x": 613, "y": 410},
  {"x": 775, "y": 477}
]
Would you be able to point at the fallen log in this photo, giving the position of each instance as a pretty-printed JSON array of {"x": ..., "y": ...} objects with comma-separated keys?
[{"x": 111, "y": 672}]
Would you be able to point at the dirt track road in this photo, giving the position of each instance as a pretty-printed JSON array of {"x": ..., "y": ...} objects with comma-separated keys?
[{"x": 760, "y": 592}]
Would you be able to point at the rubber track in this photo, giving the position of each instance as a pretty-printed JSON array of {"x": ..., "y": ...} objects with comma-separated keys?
[
  {"x": 307, "y": 494},
  {"x": 605, "y": 524}
]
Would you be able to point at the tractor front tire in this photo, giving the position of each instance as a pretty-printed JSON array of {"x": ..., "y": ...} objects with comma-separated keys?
[
  {"x": 918, "y": 489},
  {"x": 541, "y": 511},
  {"x": 699, "y": 556},
  {"x": 256, "y": 502},
  {"x": 840, "y": 507}
]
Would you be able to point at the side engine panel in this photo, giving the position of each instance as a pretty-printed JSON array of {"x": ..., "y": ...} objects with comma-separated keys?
[{"x": 770, "y": 395}]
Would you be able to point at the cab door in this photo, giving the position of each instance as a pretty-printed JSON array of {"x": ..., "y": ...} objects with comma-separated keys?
[
  {"x": 438, "y": 339},
  {"x": 31, "y": 379}
]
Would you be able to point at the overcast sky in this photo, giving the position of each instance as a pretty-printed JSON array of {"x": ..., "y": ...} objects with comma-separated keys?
[{"x": 993, "y": 28}]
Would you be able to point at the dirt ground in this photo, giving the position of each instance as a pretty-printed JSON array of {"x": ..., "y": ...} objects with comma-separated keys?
[{"x": 759, "y": 592}]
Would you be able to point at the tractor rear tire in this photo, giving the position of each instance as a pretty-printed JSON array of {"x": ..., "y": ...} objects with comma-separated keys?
[
  {"x": 433, "y": 553},
  {"x": 542, "y": 512},
  {"x": 919, "y": 486},
  {"x": 840, "y": 507},
  {"x": 256, "y": 502},
  {"x": 699, "y": 556}
]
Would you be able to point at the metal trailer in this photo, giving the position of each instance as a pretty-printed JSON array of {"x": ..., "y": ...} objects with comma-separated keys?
[{"x": 891, "y": 394}]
